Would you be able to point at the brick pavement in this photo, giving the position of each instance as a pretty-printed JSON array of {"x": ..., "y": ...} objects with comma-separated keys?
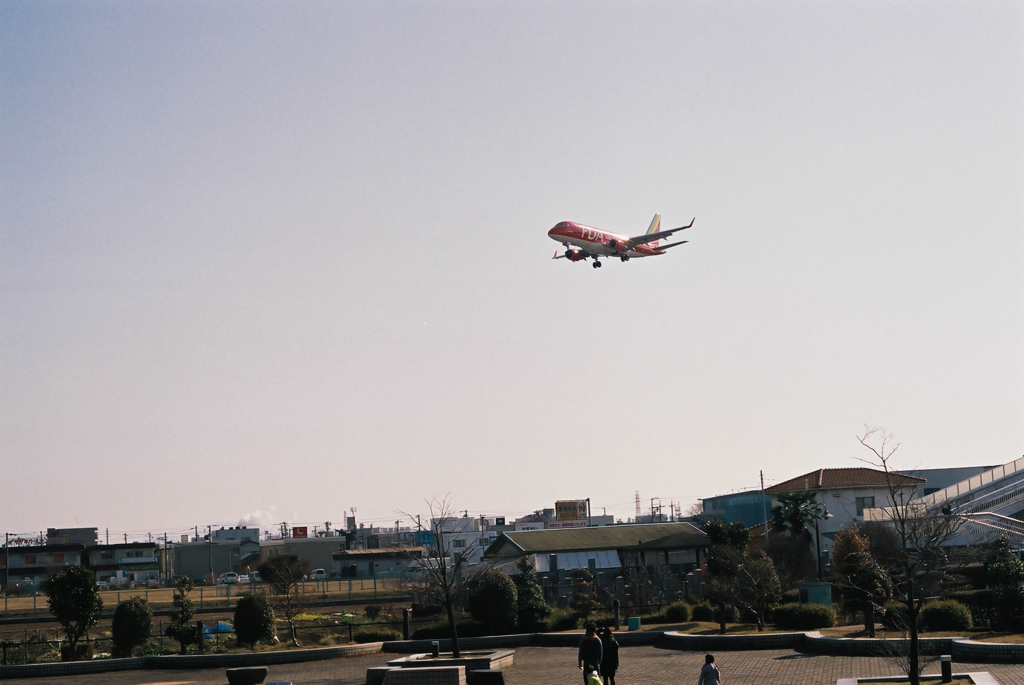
[{"x": 557, "y": 666}]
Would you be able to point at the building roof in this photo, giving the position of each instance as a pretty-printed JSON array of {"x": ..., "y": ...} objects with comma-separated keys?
[
  {"x": 856, "y": 477},
  {"x": 630, "y": 536},
  {"x": 353, "y": 554}
]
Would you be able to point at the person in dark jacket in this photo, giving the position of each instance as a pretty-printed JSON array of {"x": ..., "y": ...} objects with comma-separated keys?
[
  {"x": 590, "y": 651},
  {"x": 609, "y": 656}
]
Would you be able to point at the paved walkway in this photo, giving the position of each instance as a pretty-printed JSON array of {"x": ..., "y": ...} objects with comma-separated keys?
[{"x": 557, "y": 666}]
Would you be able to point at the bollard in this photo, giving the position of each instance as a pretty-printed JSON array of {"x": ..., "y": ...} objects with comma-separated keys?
[
  {"x": 721, "y": 616},
  {"x": 435, "y": 649},
  {"x": 202, "y": 637},
  {"x": 615, "y": 608},
  {"x": 405, "y": 624},
  {"x": 869, "y": 619},
  {"x": 947, "y": 668}
]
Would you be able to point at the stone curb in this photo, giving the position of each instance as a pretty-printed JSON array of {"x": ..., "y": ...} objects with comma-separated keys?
[
  {"x": 817, "y": 643},
  {"x": 187, "y": 661},
  {"x": 962, "y": 650}
]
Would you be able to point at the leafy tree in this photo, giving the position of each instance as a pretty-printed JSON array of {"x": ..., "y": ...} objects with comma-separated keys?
[
  {"x": 531, "y": 609},
  {"x": 850, "y": 540},
  {"x": 795, "y": 514},
  {"x": 722, "y": 533},
  {"x": 741, "y": 576},
  {"x": 133, "y": 622},
  {"x": 75, "y": 602},
  {"x": 283, "y": 573},
  {"x": 757, "y": 585},
  {"x": 255, "y": 620},
  {"x": 493, "y": 600},
  {"x": 1005, "y": 575},
  {"x": 583, "y": 600},
  {"x": 181, "y": 628},
  {"x": 793, "y": 559}
]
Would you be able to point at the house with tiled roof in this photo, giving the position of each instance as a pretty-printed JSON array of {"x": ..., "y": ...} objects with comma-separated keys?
[{"x": 845, "y": 493}]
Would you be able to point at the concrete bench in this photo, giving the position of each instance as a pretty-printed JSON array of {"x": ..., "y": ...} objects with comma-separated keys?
[
  {"x": 432, "y": 675},
  {"x": 486, "y": 676},
  {"x": 250, "y": 675}
]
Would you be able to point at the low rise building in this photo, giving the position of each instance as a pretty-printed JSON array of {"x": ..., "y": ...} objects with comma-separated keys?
[
  {"x": 377, "y": 563},
  {"x": 132, "y": 562},
  {"x": 30, "y": 564},
  {"x": 634, "y": 559}
]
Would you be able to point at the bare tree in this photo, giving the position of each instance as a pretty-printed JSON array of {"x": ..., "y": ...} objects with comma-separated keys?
[
  {"x": 921, "y": 558},
  {"x": 442, "y": 564}
]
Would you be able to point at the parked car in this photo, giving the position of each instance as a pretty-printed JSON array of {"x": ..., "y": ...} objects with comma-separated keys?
[
  {"x": 254, "y": 577},
  {"x": 229, "y": 578},
  {"x": 243, "y": 579},
  {"x": 318, "y": 574}
]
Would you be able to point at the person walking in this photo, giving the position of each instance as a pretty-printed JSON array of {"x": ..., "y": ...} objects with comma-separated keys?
[
  {"x": 609, "y": 656},
  {"x": 590, "y": 651},
  {"x": 709, "y": 674}
]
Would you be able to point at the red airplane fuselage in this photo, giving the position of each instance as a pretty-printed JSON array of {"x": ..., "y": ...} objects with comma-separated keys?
[{"x": 594, "y": 241}]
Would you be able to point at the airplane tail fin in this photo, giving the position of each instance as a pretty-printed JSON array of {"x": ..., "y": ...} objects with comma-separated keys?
[{"x": 654, "y": 228}]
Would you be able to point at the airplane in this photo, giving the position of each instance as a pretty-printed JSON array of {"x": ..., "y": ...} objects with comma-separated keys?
[{"x": 583, "y": 242}]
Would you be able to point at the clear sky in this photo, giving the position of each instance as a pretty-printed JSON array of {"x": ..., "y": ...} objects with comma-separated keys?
[{"x": 267, "y": 261}]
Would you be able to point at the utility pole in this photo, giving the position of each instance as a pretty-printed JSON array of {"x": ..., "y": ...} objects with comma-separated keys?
[
  {"x": 7, "y": 564},
  {"x": 126, "y": 538},
  {"x": 108, "y": 535},
  {"x": 209, "y": 545},
  {"x": 764, "y": 506}
]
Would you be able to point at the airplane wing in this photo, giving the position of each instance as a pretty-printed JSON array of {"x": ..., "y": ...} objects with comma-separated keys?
[{"x": 651, "y": 237}]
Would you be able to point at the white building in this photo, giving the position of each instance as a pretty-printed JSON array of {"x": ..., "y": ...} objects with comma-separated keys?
[{"x": 845, "y": 493}]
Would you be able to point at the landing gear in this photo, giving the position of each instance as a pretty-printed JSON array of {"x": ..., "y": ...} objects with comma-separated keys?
[
  {"x": 624, "y": 257},
  {"x": 597, "y": 264}
]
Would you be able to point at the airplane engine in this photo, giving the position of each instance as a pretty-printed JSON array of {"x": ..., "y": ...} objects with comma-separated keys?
[
  {"x": 574, "y": 255},
  {"x": 614, "y": 244}
]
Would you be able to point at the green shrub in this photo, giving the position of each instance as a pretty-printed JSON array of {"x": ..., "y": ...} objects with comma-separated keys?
[
  {"x": 804, "y": 616},
  {"x": 493, "y": 601},
  {"x": 133, "y": 621},
  {"x": 376, "y": 634},
  {"x": 655, "y": 617},
  {"x": 563, "y": 620},
  {"x": 981, "y": 604},
  {"x": 946, "y": 615},
  {"x": 440, "y": 630},
  {"x": 895, "y": 616},
  {"x": 255, "y": 620},
  {"x": 703, "y": 612},
  {"x": 678, "y": 612},
  {"x": 372, "y": 611}
]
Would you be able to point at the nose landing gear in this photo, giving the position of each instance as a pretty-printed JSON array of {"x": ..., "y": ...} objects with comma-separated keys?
[{"x": 624, "y": 257}]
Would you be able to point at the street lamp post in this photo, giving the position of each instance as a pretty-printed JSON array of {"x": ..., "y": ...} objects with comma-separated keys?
[{"x": 821, "y": 513}]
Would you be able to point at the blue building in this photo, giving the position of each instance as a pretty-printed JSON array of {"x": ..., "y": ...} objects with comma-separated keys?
[{"x": 749, "y": 507}]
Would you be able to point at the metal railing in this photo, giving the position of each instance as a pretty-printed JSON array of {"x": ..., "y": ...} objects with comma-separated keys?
[
  {"x": 1010, "y": 527},
  {"x": 221, "y": 596},
  {"x": 971, "y": 485}
]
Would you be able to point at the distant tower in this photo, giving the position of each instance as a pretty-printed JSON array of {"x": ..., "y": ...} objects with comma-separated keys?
[{"x": 637, "y": 519}]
